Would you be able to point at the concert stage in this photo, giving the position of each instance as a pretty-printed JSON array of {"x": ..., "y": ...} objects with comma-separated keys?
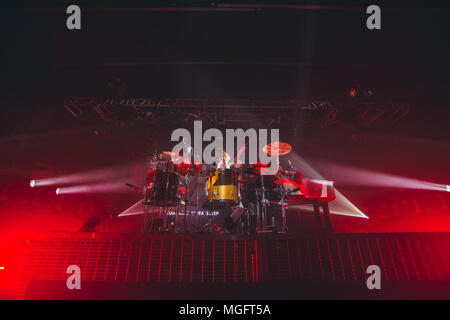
[
  {"x": 136, "y": 266},
  {"x": 224, "y": 150}
]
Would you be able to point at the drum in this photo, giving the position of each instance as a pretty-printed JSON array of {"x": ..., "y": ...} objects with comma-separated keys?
[
  {"x": 161, "y": 188},
  {"x": 222, "y": 187},
  {"x": 189, "y": 169}
]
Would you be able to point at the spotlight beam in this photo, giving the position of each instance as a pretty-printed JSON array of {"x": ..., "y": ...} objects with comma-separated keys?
[
  {"x": 362, "y": 177},
  {"x": 341, "y": 205},
  {"x": 92, "y": 176},
  {"x": 118, "y": 186},
  {"x": 137, "y": 208}
]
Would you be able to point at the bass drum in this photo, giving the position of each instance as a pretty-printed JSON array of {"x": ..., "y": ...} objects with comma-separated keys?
[
  {"x": 161, "y": 188},
  {"x": 222, "y": 187}
]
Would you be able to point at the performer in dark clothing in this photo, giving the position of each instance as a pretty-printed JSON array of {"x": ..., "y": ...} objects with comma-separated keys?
[{"x": 90, "y": 224}]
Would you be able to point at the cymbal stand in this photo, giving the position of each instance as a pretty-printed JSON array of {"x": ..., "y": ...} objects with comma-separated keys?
[
  {"x": 283, "y": 204},
  {"x": 186, "y": 189},
  {"x": 262, "y": 203}
]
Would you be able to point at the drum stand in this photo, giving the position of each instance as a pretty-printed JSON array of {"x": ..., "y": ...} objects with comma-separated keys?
[
  {"x": 283, "y": 204},
  {"x": 186, "y": 189},
  {"x": 164, "y": 226},
  {"x": 261, "y": 207},
  {"x": 265, "y": 203},
  {"x": 262, "y": 204},
  {"x": 147, "y": 220},
  {"x": 210, "y": 226},
  {"x": 150, "y": 218}
]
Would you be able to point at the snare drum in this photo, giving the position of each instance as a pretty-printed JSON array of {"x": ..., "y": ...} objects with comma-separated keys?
[
  {"x": 222, "y": 187},
  {"x": 161, "y": 188}
]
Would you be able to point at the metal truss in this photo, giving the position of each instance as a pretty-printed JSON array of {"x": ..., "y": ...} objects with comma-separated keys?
[{"x": 323, "y": 111}]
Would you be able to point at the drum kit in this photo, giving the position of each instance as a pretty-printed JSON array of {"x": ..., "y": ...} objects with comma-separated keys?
[{"x": 227, "y": 188}]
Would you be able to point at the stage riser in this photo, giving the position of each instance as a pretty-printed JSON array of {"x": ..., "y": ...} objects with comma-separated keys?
[
  {"x": 187, "y": 259},
  {"x": 400, "y": 257}
]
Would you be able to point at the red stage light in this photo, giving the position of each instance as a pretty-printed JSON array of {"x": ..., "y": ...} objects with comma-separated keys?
[{"x": 32, "y": 183}]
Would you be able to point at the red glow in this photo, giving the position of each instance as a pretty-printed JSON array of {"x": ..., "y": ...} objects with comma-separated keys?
[{"x": 326, "y": 259}]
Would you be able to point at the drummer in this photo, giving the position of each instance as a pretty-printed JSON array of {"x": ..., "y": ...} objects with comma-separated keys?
[
  {"x": 224, "y": 219},
  {"x": 223, "y": 160},
  {"x": 251, "y": 178}
]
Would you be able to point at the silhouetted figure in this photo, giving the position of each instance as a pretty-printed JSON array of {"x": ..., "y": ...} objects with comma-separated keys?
[{"x": 90, "y": 224}]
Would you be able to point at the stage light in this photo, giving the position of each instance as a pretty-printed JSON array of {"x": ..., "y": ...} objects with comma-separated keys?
[
  {"x": 2, "y": 268},
  {"x": 341, "y": 205},
  {"x": 117, "y": 186},
  {"x": 92, "y": 176},
  {"x": 368, "y": 178},
  {"x": 137, "y": 208}
]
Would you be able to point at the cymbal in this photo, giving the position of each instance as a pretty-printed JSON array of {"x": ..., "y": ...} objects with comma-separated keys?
[
  {"x": 167, "y": 155},
  {"x": 277, "y": 149}
]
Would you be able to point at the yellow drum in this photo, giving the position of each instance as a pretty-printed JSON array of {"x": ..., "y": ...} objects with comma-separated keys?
[{"x": 222, "y": 187}]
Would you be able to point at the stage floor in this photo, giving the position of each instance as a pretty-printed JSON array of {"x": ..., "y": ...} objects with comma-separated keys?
[{"x": 295, "y": 266}]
